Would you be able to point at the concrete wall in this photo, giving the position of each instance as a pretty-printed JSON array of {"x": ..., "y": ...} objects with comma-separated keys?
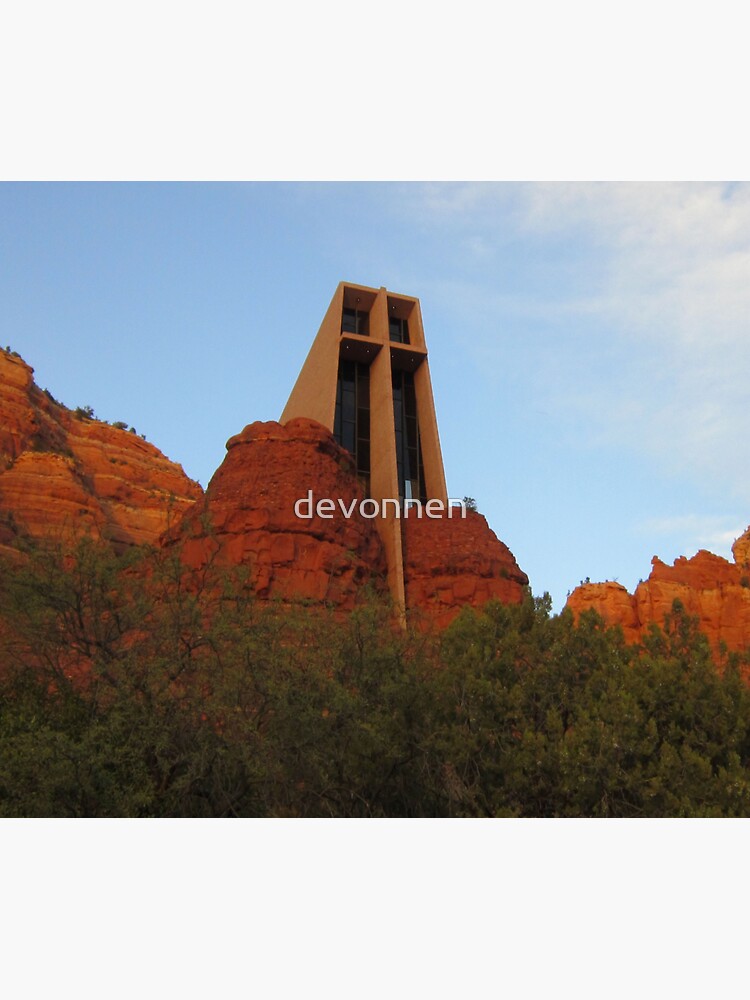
[{"x": 314, "y": 396}]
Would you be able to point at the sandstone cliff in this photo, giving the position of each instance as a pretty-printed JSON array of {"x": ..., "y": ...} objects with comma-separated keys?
[
  {"x": 713, "y": 589},
  {"x": 247, "y": 517},
  {"x": 451, "y": 562},
  {"x": 63, "y": 475}
]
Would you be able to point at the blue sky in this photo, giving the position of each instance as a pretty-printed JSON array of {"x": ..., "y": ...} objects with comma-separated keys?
[{"x": 587, "y": 341}]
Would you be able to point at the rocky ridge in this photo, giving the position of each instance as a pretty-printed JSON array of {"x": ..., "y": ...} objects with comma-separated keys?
[
  {"x": 710, "y": 588},
  {"x": 63, "y": 475},
  {"x": 247, "y": 517},
  {"x": 452, "y": 562}
]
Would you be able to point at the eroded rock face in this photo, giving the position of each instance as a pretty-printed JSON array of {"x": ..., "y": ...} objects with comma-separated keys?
[
  {"x": 710, "y": 588},
  {"x": 248, "y": 517},
  {"x": 451, "y": 562},
  {"x": 741, "y": 550},
  {"x": 61, "y": 476},
  {"x": 612, "y": 601}
]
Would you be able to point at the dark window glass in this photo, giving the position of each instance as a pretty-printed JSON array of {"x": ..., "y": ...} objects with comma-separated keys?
[
  {"x": 363, "y": 387},
  {"x": 352, "y": 419},
  {"x": 408, "y": 446},
  {"x": 355, "y": 321},
  {"x": 348, "y": 437},
  {"x": 337, "y": 416},
  {"x": 347, "y": 372},
  {"x": 349, "y": 321},
  {"x": 411, "y": 431},
  {"x": 398, "y": 330}
]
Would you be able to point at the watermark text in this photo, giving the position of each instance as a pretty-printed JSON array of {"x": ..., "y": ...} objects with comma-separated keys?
[{"x": 307, "y": 507}]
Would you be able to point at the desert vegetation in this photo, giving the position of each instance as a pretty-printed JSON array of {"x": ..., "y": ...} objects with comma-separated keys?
[{"x": 130, "y": 686}]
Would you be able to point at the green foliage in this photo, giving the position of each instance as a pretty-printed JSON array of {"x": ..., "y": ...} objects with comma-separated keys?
[
  {"x": 470, "y": 503},
  {"x": 120, "y": 425},
  {"x": 131, "y": 686},
  {"x": 85, "y": 413}
]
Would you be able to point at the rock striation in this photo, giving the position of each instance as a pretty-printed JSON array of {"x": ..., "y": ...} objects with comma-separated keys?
[
  {"x": 710, "y": 588},
  {"x": 452, "y": 562},
  {"x": 63, "y": 475},
  {"x": 247, "y": 518}
]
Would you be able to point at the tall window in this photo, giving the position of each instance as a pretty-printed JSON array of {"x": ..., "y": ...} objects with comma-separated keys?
[
  {"x": 408, "y": 447},
  {"x": 351, "y": 426},
  {"x": 355, "y": 321},
  {"x": 399, "y": 330}
]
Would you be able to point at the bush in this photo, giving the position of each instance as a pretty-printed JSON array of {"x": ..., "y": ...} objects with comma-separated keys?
[{"x": 132, "y": 686}]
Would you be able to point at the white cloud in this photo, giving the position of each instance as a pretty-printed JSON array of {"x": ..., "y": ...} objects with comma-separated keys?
[
  {"x": 653, "y": 345},
  {"x": 696, "y": 531}
]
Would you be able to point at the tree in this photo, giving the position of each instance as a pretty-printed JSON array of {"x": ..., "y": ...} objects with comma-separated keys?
[{"x": 133, "y": 685}]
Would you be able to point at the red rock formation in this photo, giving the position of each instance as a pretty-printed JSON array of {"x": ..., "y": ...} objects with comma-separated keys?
[
  {"x": 450, "y": 562},
  {"x": 612, "y": 601},
  {"x": 64, "y": 476},
  {"x": 741, "y": 550},
  {"x": 710, "y": 588},
  {"x": 247, "y": 517}
]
